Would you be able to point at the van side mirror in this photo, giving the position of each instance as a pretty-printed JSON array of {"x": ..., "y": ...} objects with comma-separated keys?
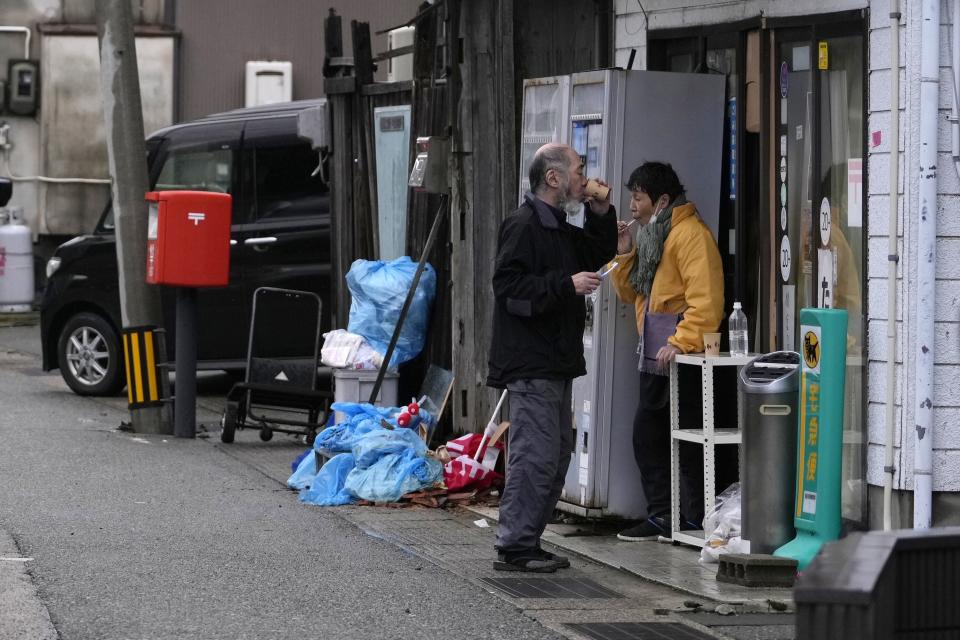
[
  {"x": 6, "y": 191},
  {"x": 313, "y": 124}
]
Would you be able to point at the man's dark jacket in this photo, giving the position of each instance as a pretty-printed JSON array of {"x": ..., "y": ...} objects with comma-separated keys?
[{"x": 538, "y": 318}]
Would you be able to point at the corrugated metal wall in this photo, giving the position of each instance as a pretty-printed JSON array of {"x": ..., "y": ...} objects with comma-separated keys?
[{"x": 220, "y": 36}]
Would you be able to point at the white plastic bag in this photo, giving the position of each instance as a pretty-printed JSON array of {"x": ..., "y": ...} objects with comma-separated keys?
[
  {"x": 724, "y": 524},
  {"x": 340, "y": 348},
  {"x": 367, "y": 357}
]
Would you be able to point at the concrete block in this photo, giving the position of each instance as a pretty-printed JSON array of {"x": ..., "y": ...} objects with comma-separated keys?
[{"x": 756, "y": 570}]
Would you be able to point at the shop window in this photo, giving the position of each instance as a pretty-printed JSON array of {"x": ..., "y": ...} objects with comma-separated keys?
[{"x": 820, "y": 150}]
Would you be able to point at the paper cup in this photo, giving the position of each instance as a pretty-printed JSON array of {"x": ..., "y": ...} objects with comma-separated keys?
[
  {"x": 596, "y": 190},
  {"x": 711, "y": 344}
]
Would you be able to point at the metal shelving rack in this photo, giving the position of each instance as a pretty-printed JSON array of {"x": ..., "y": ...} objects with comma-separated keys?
[{"x": 710, "y": 436}]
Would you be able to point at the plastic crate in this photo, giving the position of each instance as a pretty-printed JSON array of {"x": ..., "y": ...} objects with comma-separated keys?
[{"x": 355, "y": 385}]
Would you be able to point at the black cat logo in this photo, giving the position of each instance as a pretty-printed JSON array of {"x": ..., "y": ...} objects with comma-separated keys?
[{"x": 811, "y": 350}]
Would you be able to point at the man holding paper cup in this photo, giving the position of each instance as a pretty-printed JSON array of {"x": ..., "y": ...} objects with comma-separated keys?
[
  {"x": 545, "y": 266},
  {"x": 674, "y": 277}
]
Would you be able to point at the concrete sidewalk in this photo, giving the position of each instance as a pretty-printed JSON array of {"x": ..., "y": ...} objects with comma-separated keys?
[
  {"x": 673, "y": 586},
  {"x": 674, "y": 566},
  {"x": 220, "y": 522}
]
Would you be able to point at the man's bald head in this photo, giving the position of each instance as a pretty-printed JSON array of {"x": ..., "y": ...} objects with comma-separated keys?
[{"x": 552, "y": 156}]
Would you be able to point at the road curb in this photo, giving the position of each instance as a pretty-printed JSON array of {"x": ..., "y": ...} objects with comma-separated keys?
[{"x": 23, "y": 616}]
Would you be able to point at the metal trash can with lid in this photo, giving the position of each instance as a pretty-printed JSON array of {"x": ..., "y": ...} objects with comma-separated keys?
[{"x": 769, "y": 387}]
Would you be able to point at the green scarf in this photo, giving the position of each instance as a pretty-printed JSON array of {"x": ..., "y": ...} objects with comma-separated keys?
[{"x": 650, "y": 240}]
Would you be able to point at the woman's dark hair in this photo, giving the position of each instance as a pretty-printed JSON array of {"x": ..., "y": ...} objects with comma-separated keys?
[{"x": 656, "y": 179}]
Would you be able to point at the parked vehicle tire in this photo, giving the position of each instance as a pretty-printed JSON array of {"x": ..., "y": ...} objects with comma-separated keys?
[
  {"x": 90, "y": 357},
  {"x": 266, "y": 433},
  {"x": 228, "y": 422}
]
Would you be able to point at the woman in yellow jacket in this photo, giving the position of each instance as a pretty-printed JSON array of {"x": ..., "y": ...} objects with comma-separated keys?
[{"x": 673, "y": 268}]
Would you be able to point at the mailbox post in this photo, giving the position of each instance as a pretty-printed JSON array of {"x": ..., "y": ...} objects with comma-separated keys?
[{"x": 188, "y": 247}]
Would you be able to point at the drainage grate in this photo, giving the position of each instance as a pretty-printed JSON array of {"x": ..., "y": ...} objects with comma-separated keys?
[
  {"x": 551, "y": 588},
  {"x": 636, "y": 631}
]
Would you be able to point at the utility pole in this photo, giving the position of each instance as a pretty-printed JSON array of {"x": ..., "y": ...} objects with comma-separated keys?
[{"x": 127, "y": 153}]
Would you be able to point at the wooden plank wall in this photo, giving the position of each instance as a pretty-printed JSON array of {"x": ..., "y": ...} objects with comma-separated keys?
[
  {"x": 432, "y": 88},
  {"x": 353, "y": 172},
  {"x": 484, "y": 182},
  {"x": 556, "y": 37},
  {"x": 503, "y": 42},
  {"x": 341, "y": 197}
]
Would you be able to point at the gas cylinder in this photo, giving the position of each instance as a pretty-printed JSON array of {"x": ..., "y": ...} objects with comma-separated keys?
[{"x": 16, "y": 263}]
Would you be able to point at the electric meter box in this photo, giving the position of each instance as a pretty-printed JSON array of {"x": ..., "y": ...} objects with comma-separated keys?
[
  {"x": 23, "y": 87},
  {"x": 429, "y": 171},
  {"x": 188, "y": 238}
]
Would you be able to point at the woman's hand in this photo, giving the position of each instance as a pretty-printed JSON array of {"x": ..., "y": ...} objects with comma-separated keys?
[
  {"x": 624, "y": 239},
  {"x": 666, "y": 355}
]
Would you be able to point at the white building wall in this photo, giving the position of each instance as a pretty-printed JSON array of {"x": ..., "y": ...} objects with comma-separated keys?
[
  {"x": 946, "y": 475},
  {"x": 65, "y": 138},
  {"x": 631, "y": 33}
]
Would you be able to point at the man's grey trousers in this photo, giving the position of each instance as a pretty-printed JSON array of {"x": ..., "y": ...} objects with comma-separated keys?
[{"x": 540, "y": 444}]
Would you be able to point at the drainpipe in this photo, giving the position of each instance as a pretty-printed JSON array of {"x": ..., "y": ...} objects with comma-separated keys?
[
  {"x": 926, "y": 265},
  {"x": 26, "y": 32},
  {"x": 893, "y": 259},
  {"x": 955, "y": 69}
]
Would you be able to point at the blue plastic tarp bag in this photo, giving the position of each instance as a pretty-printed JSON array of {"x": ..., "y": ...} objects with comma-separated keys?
[
  {"x": 306, "y": 469},
  {"x": 361, "y": 419},
  {"x": 296, "y": 461},
  {"x": 378, "y": 291},
  {"x": 328, "y": 488},
  {"x": 383, "y": 442},
  {"x": 393, "y": 475}
]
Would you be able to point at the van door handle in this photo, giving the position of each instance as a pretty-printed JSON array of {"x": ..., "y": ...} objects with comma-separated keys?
[{"x": 260, "y": 241}]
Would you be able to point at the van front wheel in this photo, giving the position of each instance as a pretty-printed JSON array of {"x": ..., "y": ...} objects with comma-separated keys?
[{"x": 90, "y": 357}]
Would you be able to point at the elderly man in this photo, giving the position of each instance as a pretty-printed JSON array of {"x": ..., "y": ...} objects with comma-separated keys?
[{"x": 545, "y": 266}]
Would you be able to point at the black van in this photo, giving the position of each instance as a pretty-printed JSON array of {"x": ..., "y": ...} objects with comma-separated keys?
[{"x": 280, "y": 237}]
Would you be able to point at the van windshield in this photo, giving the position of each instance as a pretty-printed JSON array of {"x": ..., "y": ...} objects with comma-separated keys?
[{"x": 197, "y": 170}]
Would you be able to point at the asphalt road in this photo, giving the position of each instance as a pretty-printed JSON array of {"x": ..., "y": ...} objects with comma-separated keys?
[{"x": 154, "y": 537}]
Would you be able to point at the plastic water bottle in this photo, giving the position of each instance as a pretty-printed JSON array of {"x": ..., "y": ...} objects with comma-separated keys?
[{"x": 738, "y": 331}]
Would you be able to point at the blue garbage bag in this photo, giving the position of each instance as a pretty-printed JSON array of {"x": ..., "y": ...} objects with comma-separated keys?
[
  {"x": 296, "y": 461},
  {"x": 378, "y": 291},
  {"x": 393, "y": 475},
  {"x": 362, "y": 409},
  {"x": 382, "y": 442},
  {"x": 361, "y": 419},
  {"x": 306, "y": 469},
  {"x": 328, "y": 487}
]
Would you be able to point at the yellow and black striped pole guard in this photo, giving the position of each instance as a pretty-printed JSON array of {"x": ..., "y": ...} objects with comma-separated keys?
[{"x": 140, "y": 355}]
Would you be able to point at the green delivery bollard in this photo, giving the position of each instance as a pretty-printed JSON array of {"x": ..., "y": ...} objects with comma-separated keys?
[{"x": 820, "y": 433}]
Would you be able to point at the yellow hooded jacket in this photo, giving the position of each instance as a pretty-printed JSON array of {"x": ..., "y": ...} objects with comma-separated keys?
[{"x": 689, "y": 280}]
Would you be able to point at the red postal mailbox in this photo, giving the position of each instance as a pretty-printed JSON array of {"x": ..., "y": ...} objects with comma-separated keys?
[{"x": 188, "y": 239}]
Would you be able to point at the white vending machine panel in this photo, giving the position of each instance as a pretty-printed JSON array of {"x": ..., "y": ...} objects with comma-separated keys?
[{"x": 546, "y": 103}]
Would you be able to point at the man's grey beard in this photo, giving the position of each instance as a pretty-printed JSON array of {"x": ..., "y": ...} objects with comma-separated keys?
[{"x": 569, "y": 205}]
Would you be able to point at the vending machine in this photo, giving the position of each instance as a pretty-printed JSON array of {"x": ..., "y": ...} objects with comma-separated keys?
[{"x": 616, "y": 120}]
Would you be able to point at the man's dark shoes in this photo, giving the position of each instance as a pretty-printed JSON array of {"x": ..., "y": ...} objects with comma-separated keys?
[
  {"x": 562, "y": 561},
  {"x": 649, "y": 529},
  {"x": 531, "y": 561}
]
